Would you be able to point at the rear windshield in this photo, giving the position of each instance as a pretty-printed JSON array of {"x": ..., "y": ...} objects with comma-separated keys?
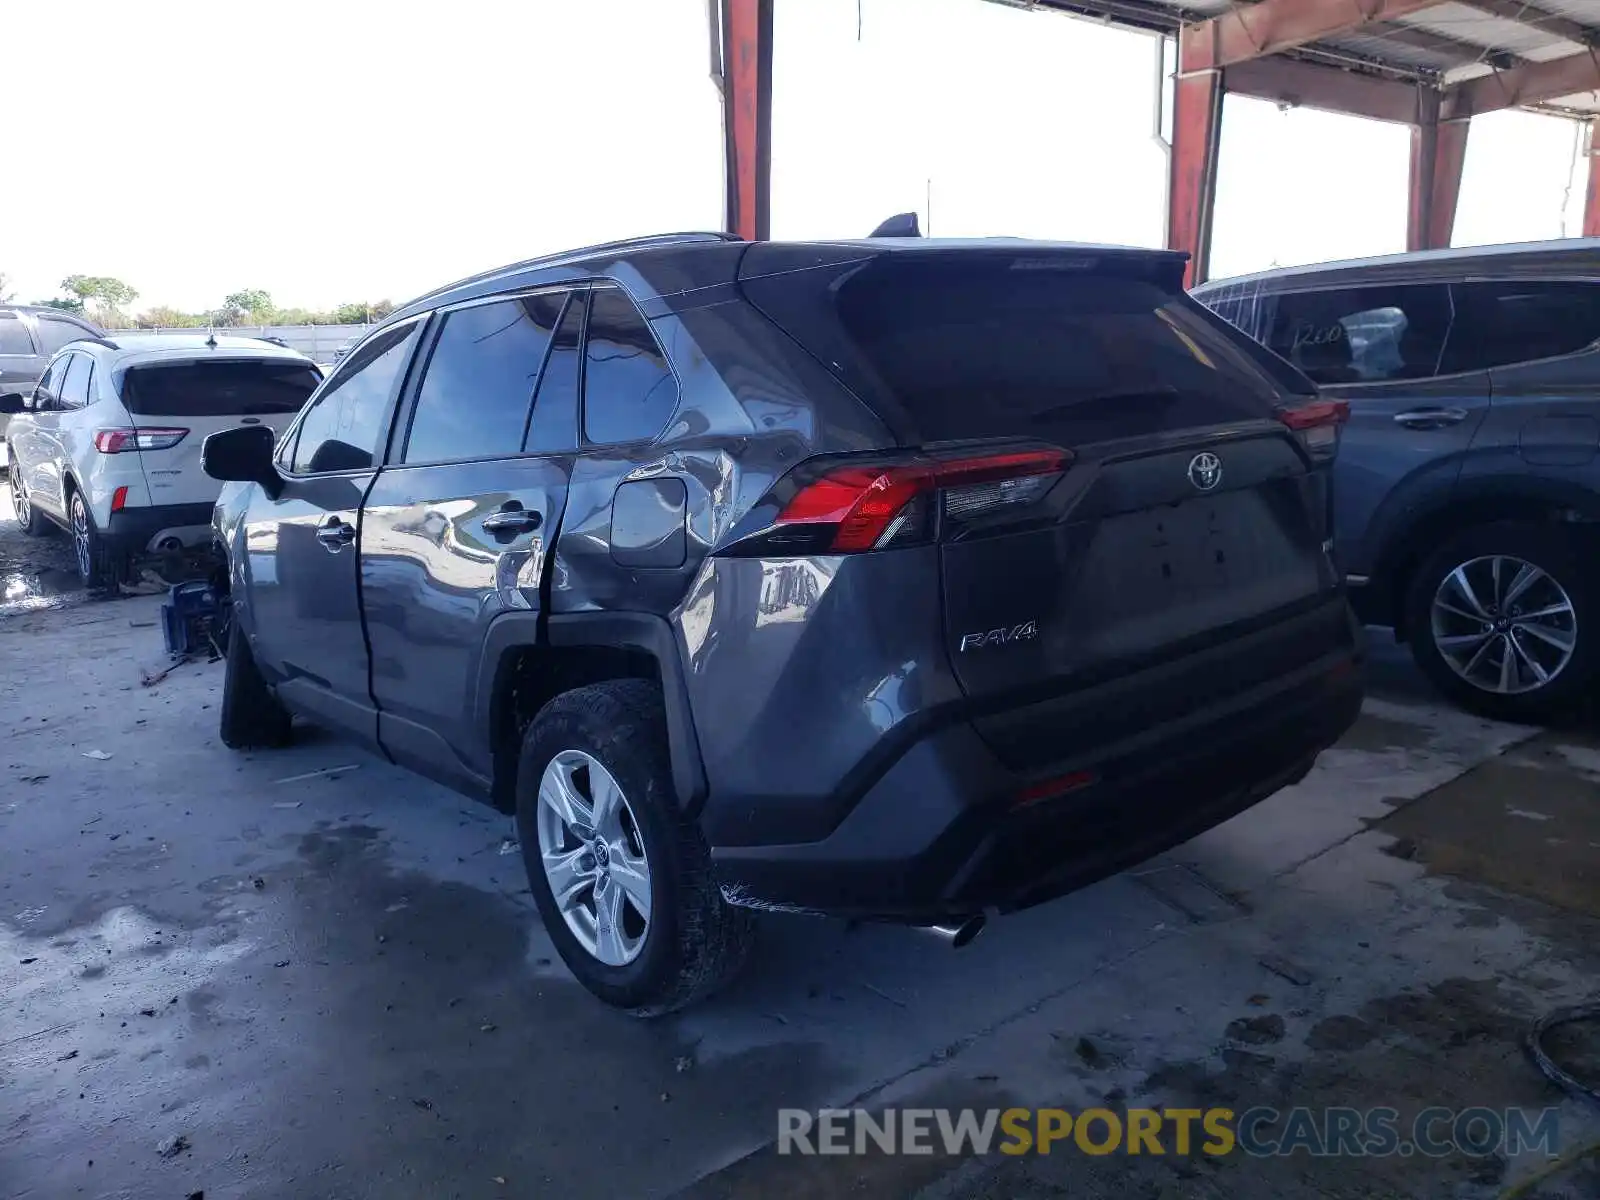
[
  {"x": 254, "y": 387},
  {"x": 1007, "y": 347}
]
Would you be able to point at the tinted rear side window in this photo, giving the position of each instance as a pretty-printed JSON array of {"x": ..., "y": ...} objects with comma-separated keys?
[
  {"x": 1501, "y": 323},
  {"x": 629, "y": 393},
  {"x": 14, "y": 337},
  {"x": 978, "y": 346},
  {"x": 475, "y": 397},
  {"x": 1364, "y": 335},
  {"x": 253, "y": 388},
  {"x": 56, "y": 333}
]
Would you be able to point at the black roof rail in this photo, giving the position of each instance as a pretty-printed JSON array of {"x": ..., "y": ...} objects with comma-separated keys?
[
  {"x": 97, "y": 341},
  {"x": 547, "y": 260}
]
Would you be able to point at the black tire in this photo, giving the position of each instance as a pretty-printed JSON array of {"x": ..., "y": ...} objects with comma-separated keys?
[
  {"x": 1555, "y": 551},
  {"x": 695, "y": 942},
  {"x": 29, "y": 519},
  {"x": 99, "y": 565},
  {"x": 252, "y": 717}
]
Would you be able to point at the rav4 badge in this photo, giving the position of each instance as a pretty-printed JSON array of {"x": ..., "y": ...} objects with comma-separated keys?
[{"x": 1025, "y": 632}]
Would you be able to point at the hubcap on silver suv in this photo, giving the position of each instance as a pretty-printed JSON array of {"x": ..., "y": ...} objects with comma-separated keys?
[
  {"x": 593, "y": 857},
  {"x": 1503, "y": 624}
]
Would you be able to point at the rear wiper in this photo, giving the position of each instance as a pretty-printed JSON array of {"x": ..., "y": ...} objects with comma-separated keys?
[{"x": 1100, "y": 398}]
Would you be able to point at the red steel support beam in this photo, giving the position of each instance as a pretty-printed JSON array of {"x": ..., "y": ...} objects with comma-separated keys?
[
  {"x": 1191, "y": 194},
  {"x": 1250, "y": 31},
  {"x": 1310, "y": 85},
  {"x": 1531, "y": 83},
  {"x": 1438, "y": 152},
  {"x": 747, "y": 116},
  {"x": 1591, "y": 197}
]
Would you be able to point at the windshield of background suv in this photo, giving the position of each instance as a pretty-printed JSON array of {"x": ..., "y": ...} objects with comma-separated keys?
[{"x": 237, "y": 387}]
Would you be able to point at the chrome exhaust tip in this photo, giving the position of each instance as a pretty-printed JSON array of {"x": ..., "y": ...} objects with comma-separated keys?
[{"x": 960, "y": 933}]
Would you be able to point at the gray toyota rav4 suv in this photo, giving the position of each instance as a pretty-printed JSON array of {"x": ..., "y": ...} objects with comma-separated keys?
[
  {"x": 905, "y": 579},
  {"x": 1467, "y": 485}
]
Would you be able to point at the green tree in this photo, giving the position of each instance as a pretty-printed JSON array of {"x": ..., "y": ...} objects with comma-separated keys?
[
  {"x": 69, "y": 304},
  {"x": 162, "y": 316},
  {"x": 108, "y": 296},
  {"x": 251, "y": 302},
  {"x": 6, "y": 292}
]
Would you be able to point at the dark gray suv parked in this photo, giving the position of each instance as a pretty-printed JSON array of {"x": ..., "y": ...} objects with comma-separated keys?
[
  {"x": 29, "y": 337},
  {"x": 903, "y": 579},
  {"x": 1467, "y": 486}
]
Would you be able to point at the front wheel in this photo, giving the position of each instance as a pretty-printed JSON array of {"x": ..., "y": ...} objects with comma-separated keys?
[
  {"x": 1501, "y": 620},
  {"x": 252, "y": 715},
  {"x": 29, "y": 519},
  {"x": 621, "y": 876}
]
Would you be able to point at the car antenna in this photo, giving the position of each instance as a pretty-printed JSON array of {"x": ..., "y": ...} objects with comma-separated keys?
[
  {"x": 212, "y": 340},
  {"x": 900, "y": 225}
]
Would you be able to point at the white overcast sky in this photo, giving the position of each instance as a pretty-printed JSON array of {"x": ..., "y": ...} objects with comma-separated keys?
[{"x": 333, "y": 150}]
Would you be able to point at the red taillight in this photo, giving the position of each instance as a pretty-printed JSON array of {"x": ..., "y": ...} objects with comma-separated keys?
[
  {"x": 871, "y": 506},
  {"x": 1318, "y": 424},
  {"x": 119, "y": 498},
  {"x": 121, "y": 441}
]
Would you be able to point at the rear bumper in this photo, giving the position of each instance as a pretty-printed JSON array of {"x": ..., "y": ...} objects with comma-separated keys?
[
  {"x": 942, "y": 834},
  {"x": 136, "y": 530}
]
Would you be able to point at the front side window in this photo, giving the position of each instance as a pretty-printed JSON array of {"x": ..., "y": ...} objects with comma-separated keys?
[
  {"x": 1365, "y": 335},
  {"x": 629, "y": 393},
  {"x": 55, "y": 333},
  {"x": 14, "y": 337},
  {"x": 481, "y": 375},
  {"x": 342, "y": 429},
  {"x": 1501, "y": 323}
]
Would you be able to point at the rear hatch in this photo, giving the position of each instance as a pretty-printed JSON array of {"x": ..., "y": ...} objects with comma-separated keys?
[
  {"x": 176, "y": 403},
  {"x": 1133, "y": 482}
]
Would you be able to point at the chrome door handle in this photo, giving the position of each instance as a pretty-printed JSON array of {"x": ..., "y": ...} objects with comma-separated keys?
[
  {"x": 513, "y": 520},
  {"x": 334, "y": 533},
  {"x": 1430, "y": 418}
]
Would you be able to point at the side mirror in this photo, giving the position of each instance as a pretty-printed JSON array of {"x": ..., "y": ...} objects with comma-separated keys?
[
  {"x": 13, "y": 403},
  {"x": 242, "y": 455}
]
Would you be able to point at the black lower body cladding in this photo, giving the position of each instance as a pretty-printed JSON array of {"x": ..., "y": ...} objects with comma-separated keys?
[{"x": 950, "y": 829}]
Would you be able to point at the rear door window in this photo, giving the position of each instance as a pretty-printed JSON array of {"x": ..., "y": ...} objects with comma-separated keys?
[
  {"x": 74, "y": 392},
  {"x": 1502, "y": 323},
  {"x": 240, "y": 387},
  {"x": 56, "y": 332},
  {"x": 554, "y": 427},
  {"x": 629, "y": 393},
  {"x": 1364, "y": 335},
  {"x": 478, "y": 389},
  {"x": 14, "y": 337}
]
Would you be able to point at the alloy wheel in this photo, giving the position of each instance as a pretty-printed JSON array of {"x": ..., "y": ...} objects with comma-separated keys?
[
  {"x": 19, "y": 499},
  {"x": 1503, "y": 624},
  {"x": 593, "y": 857},
  {"x": 80, "y": 536}
]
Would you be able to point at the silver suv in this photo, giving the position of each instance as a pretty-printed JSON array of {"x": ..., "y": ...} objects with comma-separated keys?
[{"x": 29, "y": 336}]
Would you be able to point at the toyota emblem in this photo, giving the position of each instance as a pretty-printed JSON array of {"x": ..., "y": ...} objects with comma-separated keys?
[{"x": 1205, "y": 471}]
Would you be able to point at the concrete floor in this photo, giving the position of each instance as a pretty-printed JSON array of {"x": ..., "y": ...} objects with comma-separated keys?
[{"x": 334, "y": 984}]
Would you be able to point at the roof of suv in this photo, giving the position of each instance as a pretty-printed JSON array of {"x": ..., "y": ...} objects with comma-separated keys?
[
  {"x": 131, "y": 346},
  {"x": 666, "y": 260},
  {"x": 1568, "y": 258},
  {"x": 48, "y": 310}
]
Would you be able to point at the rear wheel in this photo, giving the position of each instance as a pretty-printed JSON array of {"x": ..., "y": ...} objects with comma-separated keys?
[
  {"x": 251, "y": 715},
  {"x": 31, "y": 521},
  {"x": 621, "y": 877},
  {"x": 99, "y": 566},
  {"x": 1500, "y": 620}
]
